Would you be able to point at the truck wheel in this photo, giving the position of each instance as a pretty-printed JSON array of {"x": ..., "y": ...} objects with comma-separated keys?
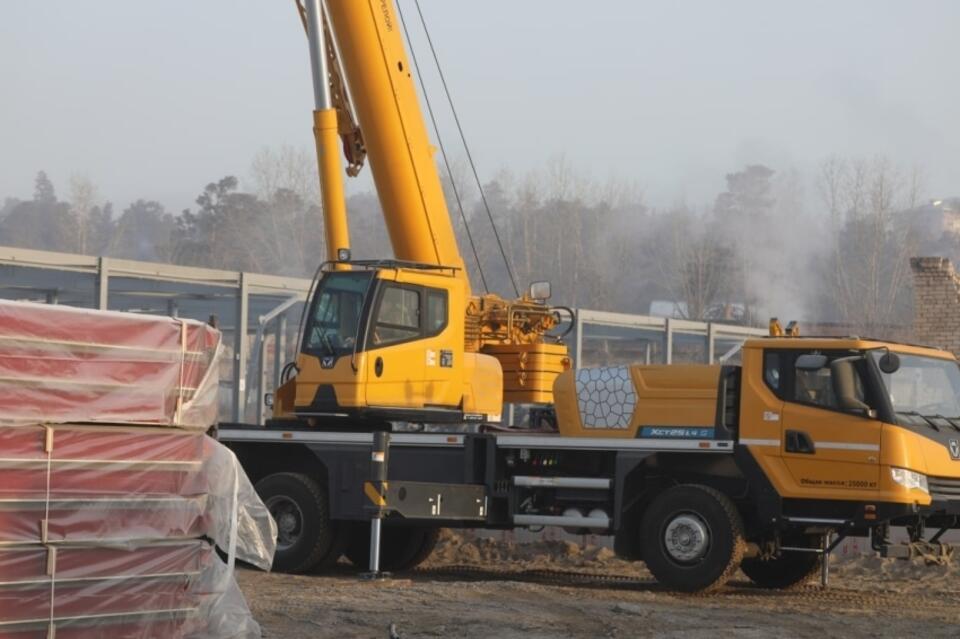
[
  {"x": 430, "y": 538},
  {"x": 341, "y": 533},
  {"x": 789, "y": 569},
  {"x": 299, "y": 505},
  {"x": 692, "y": 538},
  {"x": 401, "y": 548}
]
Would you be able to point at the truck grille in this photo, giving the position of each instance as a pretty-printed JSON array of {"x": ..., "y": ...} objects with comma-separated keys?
[{"x": 944, "y": 488}]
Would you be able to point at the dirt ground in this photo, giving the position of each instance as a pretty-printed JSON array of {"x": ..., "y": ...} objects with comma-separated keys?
[{"x": 475, "y": 588}]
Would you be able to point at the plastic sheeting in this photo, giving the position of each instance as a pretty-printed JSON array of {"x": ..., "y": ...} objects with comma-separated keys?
[
  {"x": 110, "y": 530},
  {"x": 178, "y": 589},
  {"x": 64, "y": 364}
]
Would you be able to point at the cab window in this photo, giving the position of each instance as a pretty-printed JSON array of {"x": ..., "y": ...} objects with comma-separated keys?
[
  {"x": 398, "y": 315},
  {"x": 811, "y": 387},
  {"x": 335, "y": 315},
  {"x": 816, "y": 387},
  {"x": 771, "y": 370},
  {"x": 436, "y": 311}
]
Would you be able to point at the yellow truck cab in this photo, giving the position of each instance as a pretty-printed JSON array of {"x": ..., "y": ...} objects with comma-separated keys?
[
  {"x": 854, "y": 429},
  {"x": 384, "y": 341}
]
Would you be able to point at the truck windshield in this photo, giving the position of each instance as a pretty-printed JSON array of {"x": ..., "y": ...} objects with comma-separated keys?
[
  {"x": 923, "y": 386},
  {"x": 335, "y": 312}
]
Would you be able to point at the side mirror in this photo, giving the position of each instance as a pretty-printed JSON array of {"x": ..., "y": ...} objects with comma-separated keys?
[
  {"x": 811, "y": 362},
  {"x": 889, "y": 363},
  {"x": 539, "y": 291}
]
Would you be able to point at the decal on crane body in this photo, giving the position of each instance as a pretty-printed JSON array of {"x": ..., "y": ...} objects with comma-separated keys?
[{"x": 677, "y": 432}]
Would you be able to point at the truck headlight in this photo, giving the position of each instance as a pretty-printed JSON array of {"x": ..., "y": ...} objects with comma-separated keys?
[{"x": 909, "y": 479}]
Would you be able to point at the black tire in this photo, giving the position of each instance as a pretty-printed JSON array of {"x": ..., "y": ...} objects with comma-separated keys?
[
  {"x": 341, "y": 535},
  {"x": 300, "y": 506},
  {"x": 787, "y": 570},
  {"x": 706, "y": 535},
  {"x": 401, "y": 547},
  {"x": 430, "y": 538}
]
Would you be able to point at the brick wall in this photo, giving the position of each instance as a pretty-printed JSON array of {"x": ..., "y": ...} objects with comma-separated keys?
[{"x": 936, "y": 314}]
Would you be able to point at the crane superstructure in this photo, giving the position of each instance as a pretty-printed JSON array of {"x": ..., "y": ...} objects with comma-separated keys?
[{"x": 401, "y": 339}]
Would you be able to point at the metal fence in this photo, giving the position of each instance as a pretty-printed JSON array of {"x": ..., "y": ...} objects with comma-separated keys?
[
  {"x": 259, "y": 316},
  {"x": 602, "y": 338}
]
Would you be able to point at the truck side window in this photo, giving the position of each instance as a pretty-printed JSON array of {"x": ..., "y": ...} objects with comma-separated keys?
[
  {"x": 816, "y": 387},
  {"x": 771, "y": 371},
  {"x": 436, "y": 311},
  {"x": 398, "y": 316}
]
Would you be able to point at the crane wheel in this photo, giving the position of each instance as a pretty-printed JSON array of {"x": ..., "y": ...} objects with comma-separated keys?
[
  {"x": 788, "y": 569},
  {"x": 341, "y": 536},
  {"x": 430, "y": 538},
  {"x": 305, "y": 534},
  {"x": 692, "y": 538},
  {"x": 401, "y": 548}
]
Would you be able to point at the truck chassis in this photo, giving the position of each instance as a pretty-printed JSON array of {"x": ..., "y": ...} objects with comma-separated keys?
[{"x": 693, "y": 509}]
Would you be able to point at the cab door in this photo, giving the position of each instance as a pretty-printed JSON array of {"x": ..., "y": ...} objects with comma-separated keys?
[
  {"x": 395, "y": 348},
  {"x": 830, "y": 447},
  {"x": 443, "y": 338}
]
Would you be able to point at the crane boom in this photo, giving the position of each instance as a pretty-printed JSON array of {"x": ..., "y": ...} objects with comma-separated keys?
[
  {"x": 325, "y": 132},
  {"x": 403, "y": 339},
  {"x": 401, "y": 157}
]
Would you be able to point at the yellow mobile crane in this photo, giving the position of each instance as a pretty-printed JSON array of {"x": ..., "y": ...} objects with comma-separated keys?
[
  {"x": 402, "y": 339},
  {"x": 763, "y": 465}
]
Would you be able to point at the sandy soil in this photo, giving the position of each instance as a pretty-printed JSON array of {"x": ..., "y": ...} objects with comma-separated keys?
[{"x": 484, "y": 588}]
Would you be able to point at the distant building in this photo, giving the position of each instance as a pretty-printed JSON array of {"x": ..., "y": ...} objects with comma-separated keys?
[{"x": 936, "y": 307}]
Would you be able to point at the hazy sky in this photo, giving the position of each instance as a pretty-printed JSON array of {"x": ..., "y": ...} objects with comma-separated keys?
[{"x": 155, "y": 99}]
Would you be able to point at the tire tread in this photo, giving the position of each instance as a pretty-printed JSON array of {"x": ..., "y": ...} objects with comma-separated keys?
[
  {"x": 320, "y": 542},
  {"x": 735, "y": 526}
]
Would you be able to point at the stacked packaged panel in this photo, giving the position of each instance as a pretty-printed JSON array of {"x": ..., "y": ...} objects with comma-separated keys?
[
  {"x": 64, "y": 364},
  {"x": 109, "y": 528}
]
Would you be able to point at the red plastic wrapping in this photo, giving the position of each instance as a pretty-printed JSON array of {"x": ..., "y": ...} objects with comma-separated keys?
[
  {"x": 112, "y": 498},
  {"x": 164, "y": 589},
  {"x": 101, "y": 484},
  {"x": 65, "y": 364},
  {"x": 122, "y": 485},
  {"x": 101, "y": 532}
]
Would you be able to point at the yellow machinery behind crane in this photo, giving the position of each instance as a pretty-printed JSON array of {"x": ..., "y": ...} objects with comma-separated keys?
[{"x": 402, "y": 339}]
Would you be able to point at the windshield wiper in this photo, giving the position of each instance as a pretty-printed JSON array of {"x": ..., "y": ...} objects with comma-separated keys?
[
  {"x": 325, "y": 338},
  {"x": 949, "y": 420},
  {"x": 913, "y": 413}
]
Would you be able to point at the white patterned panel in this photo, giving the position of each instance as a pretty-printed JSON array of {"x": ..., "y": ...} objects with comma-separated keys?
[{"x": 606, "y": 397}]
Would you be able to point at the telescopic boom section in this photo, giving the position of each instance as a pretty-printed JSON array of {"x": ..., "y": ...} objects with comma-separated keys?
[
  {"x": 325, "y": 133},
  {"x": 371, "y": 51}
]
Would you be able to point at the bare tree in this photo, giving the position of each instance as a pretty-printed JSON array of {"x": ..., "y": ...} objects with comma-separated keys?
[
  {"x": 868, "y": 272},
  {"x": 698, "y": 268},
  {"x": 83, "y": 199},
  {"x": 291, "y": 230}
]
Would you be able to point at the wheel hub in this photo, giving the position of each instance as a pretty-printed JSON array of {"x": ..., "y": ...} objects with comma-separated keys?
[
  {"x": 289, "y": 520},
  {"x": 686, "y": 538}
]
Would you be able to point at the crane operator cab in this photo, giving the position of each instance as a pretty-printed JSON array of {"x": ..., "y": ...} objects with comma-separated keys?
[{"x": 385, "y": 341}]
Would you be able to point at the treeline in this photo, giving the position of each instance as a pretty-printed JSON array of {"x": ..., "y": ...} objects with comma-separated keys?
[{"x": 829, "y": 248}]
